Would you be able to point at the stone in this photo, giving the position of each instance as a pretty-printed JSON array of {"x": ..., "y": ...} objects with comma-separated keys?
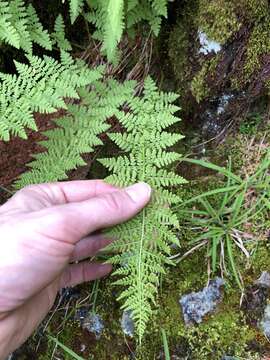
[
  {"x": 265, "y": 322},
  {"x": 264, "y": 279},
  {"x": 127, "y": 323},
  {"x": 90, "y": 321},
  {"x": 197, "y": 304}
]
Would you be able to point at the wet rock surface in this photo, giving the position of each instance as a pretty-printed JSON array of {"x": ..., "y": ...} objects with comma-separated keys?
[
  {"x": 214, "y": 118},
  {"x": 90, "y": 321},
  {"x": 127, "y": 323},
  {"x": 197, "y": 304},
  {"x": 264, "y": 280},
  {"x": 265, "y": 322}
]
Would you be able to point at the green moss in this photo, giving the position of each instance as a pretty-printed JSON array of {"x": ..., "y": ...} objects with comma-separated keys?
[
  {"x": 261, "y": 258},
  {"x": 254, "y": 10},
  {"x": 258, "y": 45},
  {"x": 181, "y": 45},
  {"x": 222, "y": 334},
  {"x": 199, "y": 87},
  {"x": 218, "y": 19}
]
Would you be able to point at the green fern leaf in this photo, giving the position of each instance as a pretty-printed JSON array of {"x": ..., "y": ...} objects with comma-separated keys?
[
  {"x": 144, "y": 243},
  {"x": 8, "y": 32},
  {"x": 36, "y": 31},
  {"x": 112, "y": 17}
]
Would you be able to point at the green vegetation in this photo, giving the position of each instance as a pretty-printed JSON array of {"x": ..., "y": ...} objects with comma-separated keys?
[
  {"x": 111, "y": 18},
  {"x": 221, "y": 224},
  {"x": 251, "y": 124},
  {"x": 40, "y": 86},
  {"x": 144, "y": 242},
  {"x": 78, "y": 131},
  {"x": 88, "y": 66},
  {"x": 20, "y": 26},
  {"x": 218, "y": 19}
]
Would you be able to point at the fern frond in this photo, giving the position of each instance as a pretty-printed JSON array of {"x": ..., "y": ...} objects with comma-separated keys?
[
  {"x": 144, "y": 243},
  {"x": 40, "y": 86},
  {"x": 77, "y": 132}
]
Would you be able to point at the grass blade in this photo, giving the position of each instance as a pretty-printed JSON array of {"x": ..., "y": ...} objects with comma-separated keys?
[
  {"x": 215, "y": 242},
  {"x": 165, "y": 345},
  {"x": 231, "y": 259},
  {"x": 221, "y": 170},
  {"x": 208, "y": 193},
  {"x": 65, "y": 348}
]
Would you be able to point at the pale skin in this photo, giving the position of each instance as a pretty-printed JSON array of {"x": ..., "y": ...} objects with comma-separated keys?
[{"x": 45, "y": 230}]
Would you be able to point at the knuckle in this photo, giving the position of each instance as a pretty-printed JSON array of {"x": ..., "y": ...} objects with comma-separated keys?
[{"x": 114, "y": 202}]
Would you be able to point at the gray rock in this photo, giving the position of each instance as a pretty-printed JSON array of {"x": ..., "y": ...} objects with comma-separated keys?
[
  {"x": 94, "y": 324},
  {"x": 127, "y": 323},
  {"x": 197, "y": 304},
  {"x": 264, "y": 279},
  {"x": 265, "y": 322}
]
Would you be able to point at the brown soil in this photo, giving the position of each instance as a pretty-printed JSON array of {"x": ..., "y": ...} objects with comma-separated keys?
[{"x": 15, "y": 154}]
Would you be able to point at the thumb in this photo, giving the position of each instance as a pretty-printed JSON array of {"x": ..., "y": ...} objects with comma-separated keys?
[{"x": 73, "y": 221}]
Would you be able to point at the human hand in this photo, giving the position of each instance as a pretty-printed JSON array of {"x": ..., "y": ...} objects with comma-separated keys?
[{"x": 43, "y": 229}]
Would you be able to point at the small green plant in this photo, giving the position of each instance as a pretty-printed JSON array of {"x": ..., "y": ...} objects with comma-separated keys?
[
  {"x": 220, "y": 214},
  {"x": 250, "y": 125},
  {"x": 111, "y": 18},
  {"x": 144, "y": 243}
]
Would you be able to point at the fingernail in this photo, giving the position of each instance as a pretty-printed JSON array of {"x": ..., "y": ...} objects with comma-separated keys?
[{"x": 138, "y": 191}]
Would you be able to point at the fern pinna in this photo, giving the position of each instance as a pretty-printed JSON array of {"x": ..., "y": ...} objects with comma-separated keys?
[
  {"x": 20, "y": 26},
  {"x": 77, "y": 131},
  {"x": 143, "y": 244}
]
